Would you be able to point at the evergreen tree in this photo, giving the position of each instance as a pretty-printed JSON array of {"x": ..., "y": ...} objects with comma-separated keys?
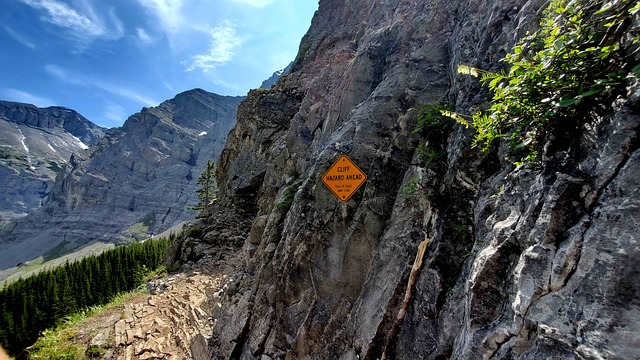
[{"x": 208, "y": 191}]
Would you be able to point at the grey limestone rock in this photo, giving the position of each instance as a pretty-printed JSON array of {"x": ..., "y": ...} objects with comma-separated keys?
[
  {"x": 35, "y": 144},
  {"x": 523, "y": 263}
]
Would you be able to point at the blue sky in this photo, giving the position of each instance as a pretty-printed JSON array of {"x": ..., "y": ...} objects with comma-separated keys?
[{"x": 108, "y": 59}]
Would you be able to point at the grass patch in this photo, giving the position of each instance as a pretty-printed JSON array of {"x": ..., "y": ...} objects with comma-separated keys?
[
  {"x": 287, "y": 198},
  {"x": 461, "y": 231},
  {"x": 137, "y": 231},
  {"x": 56, "y": 251},
  {"x": 155, "y": 274},
  {"x": 58, "y": 342},
  {"x": 7, "y": 153},
  {"x": 33, "y": 264},
  {"x": 149, "y": 220}
]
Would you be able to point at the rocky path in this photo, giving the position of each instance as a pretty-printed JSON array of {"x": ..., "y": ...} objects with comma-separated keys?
[
  {"x": 174, "y": 319},
  {"x": 162, "y": 324}
]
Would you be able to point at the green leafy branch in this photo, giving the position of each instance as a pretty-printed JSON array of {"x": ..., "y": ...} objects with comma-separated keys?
[{"x": 584, "y": 50}]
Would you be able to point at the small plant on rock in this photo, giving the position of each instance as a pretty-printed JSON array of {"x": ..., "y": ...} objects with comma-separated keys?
[
  {"x": 569, "y": 71},
  {"x": 287, "y": 198}
]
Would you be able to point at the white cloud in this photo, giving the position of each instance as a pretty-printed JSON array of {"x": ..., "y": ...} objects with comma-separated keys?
[
  {"x": 87, "y": 81},
  {"x": 115, "y": 112},
  {"x": 168, "y": 86},
  {"x": 83, "y": 25},
  {"x": 224, "y": 43},
  {"x": 118, "y": 31},
  {"x": 143, "y": 37},
  {"x": 59, "y": 73},
  {"x": 25, "y": 97},
  {"x": 169, "y": 12},
  {"x": 126, "y": 93},
  {"x": 63, "y": 15},
  {"x": 19, "y": 37},
  {"x": 225, "y": 84},
  {"x": 256, "y": 3}
]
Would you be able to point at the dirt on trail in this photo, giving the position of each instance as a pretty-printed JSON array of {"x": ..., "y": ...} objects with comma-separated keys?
[{"x": 164, "y": 323}]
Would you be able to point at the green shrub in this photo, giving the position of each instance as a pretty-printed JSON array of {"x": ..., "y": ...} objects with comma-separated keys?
[
  {"x": 429, "y": 154},
  {"x": 287, "y": 198},
  {"x": 412, "y": 186},
  {"x": 569, "y": 71},
  {"x": 95, "y": 352},
  {"x": 430, "y": 118},
  {"x": 195, "y": 232},
  {"x": 461, "y": 231}
]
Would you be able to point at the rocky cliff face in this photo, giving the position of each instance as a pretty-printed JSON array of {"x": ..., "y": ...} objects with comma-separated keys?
[
  {"x": 523, "y": 262},
  {"x": 136, "y": 181},
  {"x": 35, "y": 144}
]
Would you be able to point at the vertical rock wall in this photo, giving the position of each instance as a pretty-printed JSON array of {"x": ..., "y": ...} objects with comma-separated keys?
[{"x": 522, "y": 262}]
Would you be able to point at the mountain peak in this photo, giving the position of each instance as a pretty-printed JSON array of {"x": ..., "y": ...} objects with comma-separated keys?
[
  {"x": 52, "y": 117},
  {"x": 267, "y": 84},
  {"x": 35, "y": 145}
]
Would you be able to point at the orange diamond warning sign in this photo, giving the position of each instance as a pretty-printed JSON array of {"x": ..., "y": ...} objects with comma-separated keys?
[{"x": 344, "y": 178}]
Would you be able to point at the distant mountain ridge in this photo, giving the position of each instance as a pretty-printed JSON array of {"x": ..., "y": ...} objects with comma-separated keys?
[
  {"x": 35, "y": 144},
  {"x": 137, "y": 180},
  {"x": 268, "y": 84},
  {"x": 52, "y": 117}
]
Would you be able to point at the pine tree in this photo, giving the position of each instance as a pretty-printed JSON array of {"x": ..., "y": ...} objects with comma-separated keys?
[
  {"x": 28, "y": 306},
  {"x": 208, "y": 191}
]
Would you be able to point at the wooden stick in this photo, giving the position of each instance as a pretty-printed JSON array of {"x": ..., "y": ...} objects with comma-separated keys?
[{"x": 417, "y": 264}]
